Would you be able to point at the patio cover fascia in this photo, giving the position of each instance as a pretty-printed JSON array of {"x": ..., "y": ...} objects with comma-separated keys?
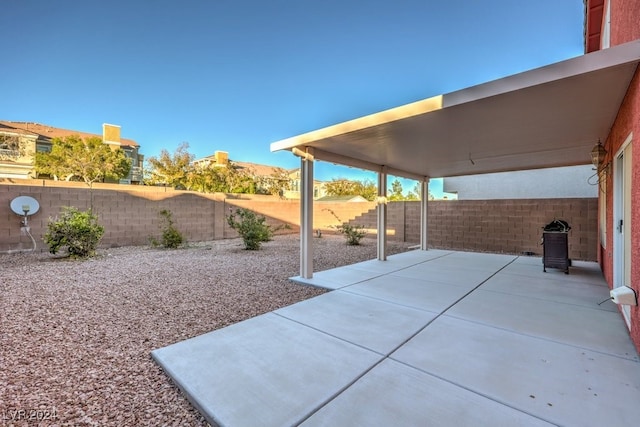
[{"x": 547, "y": 117}]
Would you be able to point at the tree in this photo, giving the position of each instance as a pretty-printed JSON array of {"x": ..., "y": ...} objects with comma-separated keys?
[
  {"x": 345, "y": 187},
  {"x": 174, "y": 169},
  {"x": 227, "y": 178},
  {"x": 239, "y": 180},
  {"x": 11, "y": 148},
  {"x": 275, "y": 184},
  {"x": 396, "y": 191},
  {"x": 88, "y": 159},
  {"x": 415, "y": 193}
]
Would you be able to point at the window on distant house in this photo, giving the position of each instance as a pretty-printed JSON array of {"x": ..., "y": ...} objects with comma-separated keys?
[
  {"x": 43, "y": 148},
  {"x": 9, "y": 146}
]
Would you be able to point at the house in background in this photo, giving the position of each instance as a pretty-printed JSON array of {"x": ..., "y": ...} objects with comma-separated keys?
[
  {"x": 255, "y": 170},
  {"x": 219, "y": 158},
  {"x": 319, "y": 188},
  {"x": 264, "y": 174},
  {"x": 553, "y": 183},
  {"x": 19, "y": 141}
]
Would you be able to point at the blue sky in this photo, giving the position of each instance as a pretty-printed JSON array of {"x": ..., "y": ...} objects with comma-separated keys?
[{"x": 236, "y": 75}]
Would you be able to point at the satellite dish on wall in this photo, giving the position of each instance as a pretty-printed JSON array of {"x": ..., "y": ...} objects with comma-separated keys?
[{"x": 25, "y": 205}]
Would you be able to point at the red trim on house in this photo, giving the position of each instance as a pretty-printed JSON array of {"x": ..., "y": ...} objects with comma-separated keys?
[{"x": 593, "y": 25}]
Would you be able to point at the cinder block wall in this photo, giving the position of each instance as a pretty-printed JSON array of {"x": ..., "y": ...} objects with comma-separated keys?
[
  {"x": 502, "y": 226},
  {"x": 129, "y": 214}
]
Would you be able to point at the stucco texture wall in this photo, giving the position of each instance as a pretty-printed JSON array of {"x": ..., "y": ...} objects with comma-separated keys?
[
  {"x": 627, "y": 123},
  {"x": 625, "y": 16}
]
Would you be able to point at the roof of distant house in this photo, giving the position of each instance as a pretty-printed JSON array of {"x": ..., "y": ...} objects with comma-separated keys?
[
  {"x": 50, "y": 132},
  {"x": 253, "y": 168},
  {"x": 258, "y": 169}
]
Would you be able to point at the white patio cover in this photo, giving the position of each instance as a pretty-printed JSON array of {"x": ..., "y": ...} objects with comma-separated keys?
[{"x": 547, "y": 117}]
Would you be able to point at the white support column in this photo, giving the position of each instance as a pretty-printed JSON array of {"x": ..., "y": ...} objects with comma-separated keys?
[
  {"x": 424, "y": 214},
  {"x": 382, "y": 215},
  {"x": 306, "y": 212}
]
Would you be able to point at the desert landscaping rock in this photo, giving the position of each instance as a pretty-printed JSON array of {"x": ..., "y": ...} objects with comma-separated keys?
[{"x": 76, "y": 336}]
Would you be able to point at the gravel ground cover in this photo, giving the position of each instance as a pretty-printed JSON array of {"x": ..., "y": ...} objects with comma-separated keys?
[{"x": 76, "y": 336}]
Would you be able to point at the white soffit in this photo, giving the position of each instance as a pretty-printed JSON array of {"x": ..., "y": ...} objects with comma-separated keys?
[{"x": 547, "y": 117}]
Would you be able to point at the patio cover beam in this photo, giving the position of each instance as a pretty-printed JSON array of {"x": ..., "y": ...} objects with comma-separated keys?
[
  {"x": 382, "y": 215},
  {"x": 361, "y": 164},
  {"x": 424, "y": 215},
  {"x": 306, "y": 212}
]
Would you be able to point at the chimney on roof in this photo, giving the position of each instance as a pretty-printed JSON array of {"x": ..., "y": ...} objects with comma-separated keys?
[
  {"x": 110, "y": 134},
  {"x": 222, "y": 157}
]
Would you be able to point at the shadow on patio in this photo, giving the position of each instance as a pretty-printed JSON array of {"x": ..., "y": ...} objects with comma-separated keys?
[{"x": 424, "y": 338}]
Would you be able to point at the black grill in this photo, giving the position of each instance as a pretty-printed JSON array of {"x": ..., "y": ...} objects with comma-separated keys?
[{"x": 555, "y": 245}]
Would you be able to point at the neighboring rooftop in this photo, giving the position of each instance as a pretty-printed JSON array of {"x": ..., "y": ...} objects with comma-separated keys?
[
  {"x": 258, "y": 169},
  {"x": 221, "y": 158},
  {"x": 49, "y": 132}
]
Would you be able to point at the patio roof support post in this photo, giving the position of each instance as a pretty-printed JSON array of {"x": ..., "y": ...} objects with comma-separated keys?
[
  {"x": 382, "y": 214},
  {"x": 306, "y": 211},
  {"x": 424, "y": 214}
]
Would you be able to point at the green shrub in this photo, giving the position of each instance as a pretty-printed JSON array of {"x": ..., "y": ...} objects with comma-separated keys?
[
  {"x": 251, "y": 227},
  {"x": 171, "y": 238},
  {"x": 353, "y": 233},
  {"x": 78, "y": 231}
]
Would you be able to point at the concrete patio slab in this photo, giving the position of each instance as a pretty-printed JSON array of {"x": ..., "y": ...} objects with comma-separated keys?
[
  {"x": 265, "y": 371},
  {"x": 560, "y": 383},
  {"x": 474, "y": 261},
  {"x": 589, "y": 328},
  {"x": 524, "y": 266},
  {"x": 410, "y": 292},
  {"x": 344, "y": 276},
  {"x": 377, "y": 325},
  {"x": 507, "y": 346},
  {"x": 399, "y": 261},
  {"x": 393, "y": 394},
  {"x": 579, "y": 272},
  {"x": 458, "y": 276},
  {"x": 552, "y": 289},
  {"x": 336, "y": 278}
]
